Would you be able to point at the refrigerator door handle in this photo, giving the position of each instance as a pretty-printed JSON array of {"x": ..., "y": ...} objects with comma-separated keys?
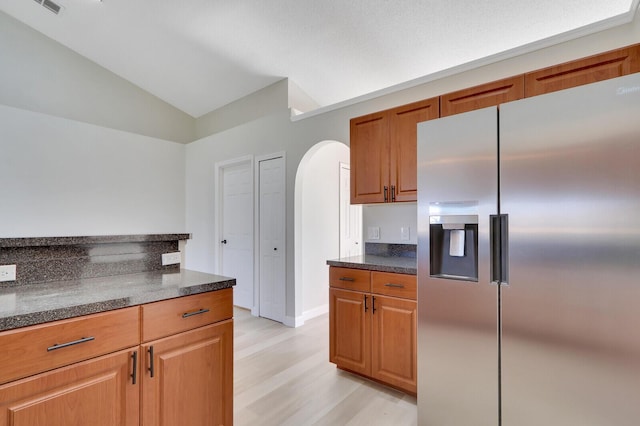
[{"x": 499, "y": 248}]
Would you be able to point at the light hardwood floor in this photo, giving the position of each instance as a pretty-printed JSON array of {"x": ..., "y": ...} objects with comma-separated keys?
[{"x": 282, "y": 376}]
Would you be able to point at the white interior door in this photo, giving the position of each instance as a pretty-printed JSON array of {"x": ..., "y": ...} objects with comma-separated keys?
[
  {"x": 350, "y": 217},
  {"x": 272, "y": 238},
  {"x": 236, "y": 235}
]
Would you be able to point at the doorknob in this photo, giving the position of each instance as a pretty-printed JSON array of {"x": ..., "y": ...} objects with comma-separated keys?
[{"x": 224, "y": 241}]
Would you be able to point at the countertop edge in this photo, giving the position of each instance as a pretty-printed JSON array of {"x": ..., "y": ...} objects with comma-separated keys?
[
  {"x": 13, "y": 322},
  {"x": 94, "y": 239},
  {"x": 373, "y": 267}
]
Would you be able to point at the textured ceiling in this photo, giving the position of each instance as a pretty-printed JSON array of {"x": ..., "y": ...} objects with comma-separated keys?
[{"x": 199, "y": 55}]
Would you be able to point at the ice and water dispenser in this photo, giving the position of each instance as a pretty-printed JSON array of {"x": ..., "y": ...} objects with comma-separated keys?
[{"x": 453, "y": 240}]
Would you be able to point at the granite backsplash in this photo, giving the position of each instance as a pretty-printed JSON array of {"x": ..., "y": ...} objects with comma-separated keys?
[
  {"x": 390, "y": 250},
  {"x": 47, "y": 259}
]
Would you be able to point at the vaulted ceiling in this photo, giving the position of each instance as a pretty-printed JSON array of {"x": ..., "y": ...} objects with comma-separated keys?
[{"x": 199, "y": 55}]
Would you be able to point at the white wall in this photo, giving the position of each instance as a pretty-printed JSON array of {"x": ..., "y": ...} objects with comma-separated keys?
[
  {"x": 318, "y": 222},
  {"x": 390, "y": 218},
  {"x": 259, "y": 104},
  {"x": 257, "y": 136},
  {"x": 62, "y": 178}
]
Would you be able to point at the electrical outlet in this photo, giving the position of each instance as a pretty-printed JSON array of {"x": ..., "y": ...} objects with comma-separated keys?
[
  {"x": 373, "y": 233},
  {"x": 7, "y": 272},
  {"x": 171, "y": 258},
  {"x": 404, "y": 233}
]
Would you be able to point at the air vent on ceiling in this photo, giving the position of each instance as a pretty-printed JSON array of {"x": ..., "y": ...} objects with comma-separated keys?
[{"x": 54, "y": 7}]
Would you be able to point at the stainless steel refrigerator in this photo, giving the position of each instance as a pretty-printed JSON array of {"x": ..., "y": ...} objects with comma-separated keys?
[{"x": 529, "y": 261}]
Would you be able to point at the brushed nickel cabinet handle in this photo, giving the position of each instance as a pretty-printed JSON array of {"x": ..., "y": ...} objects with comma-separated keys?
[
  {"x": 347, "y": 279},
  {"x": 365, "y": 303},
  {"x": 373, "y": 304},
  {"x": 198, "y": 312},
  {"x": 394, "y": 285},
  {"x": 65, "y": 345}
]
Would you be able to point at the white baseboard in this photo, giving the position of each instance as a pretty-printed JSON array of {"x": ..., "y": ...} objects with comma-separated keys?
[
  {"x": 315, "y": 312},
  {"x": 306, "y": 315},
  {"x": 293, "y": 321}
]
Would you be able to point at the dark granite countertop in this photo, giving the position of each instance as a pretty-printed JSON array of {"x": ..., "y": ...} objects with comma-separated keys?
[
  {"x": 32, "y": 304},
  {"x": 397, "y": 264},
  {"x": 95, "y": 239}
]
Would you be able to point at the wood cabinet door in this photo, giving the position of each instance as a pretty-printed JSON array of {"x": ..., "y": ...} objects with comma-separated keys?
[
  {"x": 485, "y": 95},
  {"x": 583, "y": 71},
  {"x": 370, "y": 158},
  {"x": 394, "y": 344},
  {"x": 350, "y": 330},
  {"x": 98, "y": 392},
  {"x": 188, "y": 378},
  {"x": 404, "y": 144}
]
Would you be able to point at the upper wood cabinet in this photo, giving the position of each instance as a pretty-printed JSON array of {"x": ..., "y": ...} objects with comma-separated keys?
[
  {"x": 369, "y": 158},
  {"x": 485, "y": 95},
  {"x": 583, "y": 71},
  {"x": 404, "y": 147},
  {"x": 384, "y": 144},
  {"x": 383, "y": 153}
]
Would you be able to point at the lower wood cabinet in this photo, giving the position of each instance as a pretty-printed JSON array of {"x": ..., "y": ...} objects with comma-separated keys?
[
  {"x": 97, "y": 392},
  {"x": 372, "y": 333},
  {"x": 176, "y": 370},
  {"x": 188, "y": 378},
  {"x": 350, "y": 330},
  {"x": 393, "y": 342}
]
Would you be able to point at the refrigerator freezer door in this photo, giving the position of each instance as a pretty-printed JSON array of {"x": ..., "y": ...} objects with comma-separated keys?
[
  {"x": 570, "y": 183},
  {"x": 457, "y": 318}
]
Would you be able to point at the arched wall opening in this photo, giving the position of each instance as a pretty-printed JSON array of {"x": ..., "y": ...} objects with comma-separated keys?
[{"x": 317, "y": 222}]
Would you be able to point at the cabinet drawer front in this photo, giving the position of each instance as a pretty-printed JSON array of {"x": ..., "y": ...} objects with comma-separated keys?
[
  {"x": 350, "y": 279},
  {"x": 397, "y": 285},
  {"x": 173, "y": 316},
  {"x": 31, "y": 350}
]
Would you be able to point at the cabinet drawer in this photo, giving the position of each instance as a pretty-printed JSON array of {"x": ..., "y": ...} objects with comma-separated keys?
[
  {"x": 173, "y": 316},
  {"x": 30, "y": 350},
  {"x": 397, "y": 285},
  {"x": 350, "y": 279}
]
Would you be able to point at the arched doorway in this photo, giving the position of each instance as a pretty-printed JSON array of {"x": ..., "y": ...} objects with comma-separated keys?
[{"x": 317, "y": 224}]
